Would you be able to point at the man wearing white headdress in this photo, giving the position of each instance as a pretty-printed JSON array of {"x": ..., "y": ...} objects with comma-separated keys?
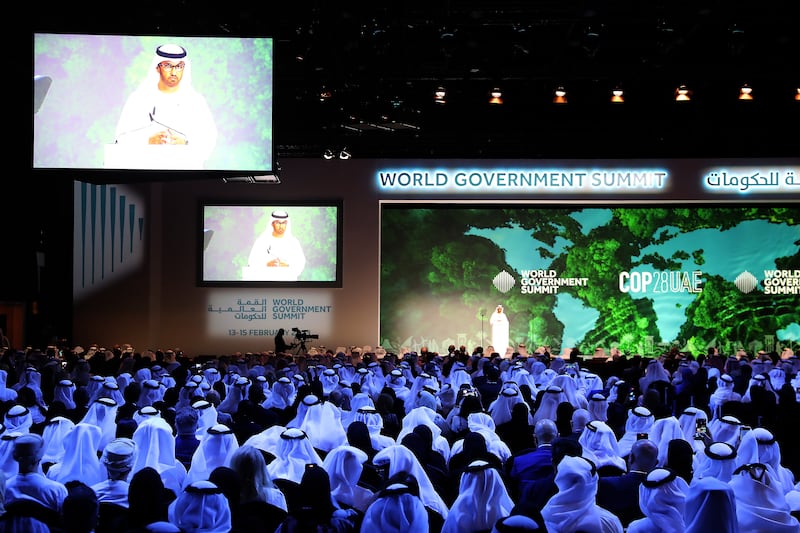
[
  {"x": 235, "y": 394},
  {"x": 323, "y": 424},
  {"x": 81, "y": 463},
  {"x": 573, "y": 507},
  {"x": 482, "y": 500},
  {"x": 548, "y": 406},
  {"x": 345, "y": 464},
  {"x": 167, "y": 110},
  {"x": 723, "y": 393},
  {"x": 215, "y": 449},
  {"x": 571, "y": 389},
  {"x": 63, "y": 392},
  {"x": 396, "y": 509},
  {"x": 726, "y": 429},
  {"x": 18, "y": 418},
  {"x": 718, "y": 460},
  {"x": 206, "y": 416},
  {"x": 329, "y": 380},
  {"x": 102, "y": 413},
  {"x": 53, "y": 434},
  {"x": 760, "y": 446},
  {"x": 640, "y": 421},
  {"x": 665, "y": 430},
  {"x": 500, "y": 409},
  {"x": 283, "y": 394},
  {"x": 600, "y": 446},
  {"x": 499, "y": 324},
  {"x": 426, "y": 415},
  {"x": 399, "y": 459},
  {"x": 155, "y": 447},
  {"x": 152, "y": 392},
  {"x": 359, "y": 400},
  {"x": 8, "y": 465},
  {"x": 760, "y": 502},
  {"x": 7, "y": 394},
  {"x": 662, "y": 498},
  {"x": 483, "y": 424},
  {"x": 374, "y": 422},
  {"x": 397, "y": 381},
  {"x": 422, "y": 383},
  {"x": 689, "y": 420},
  {"x": 201, "y": 508},
  {"x": 711, "y": 506},
  {"x": 277, "y": 254},
  {"x": 144, "y": 414},
  {"x": 294, "y": 452},
  {"x": 598, "y": 407}
]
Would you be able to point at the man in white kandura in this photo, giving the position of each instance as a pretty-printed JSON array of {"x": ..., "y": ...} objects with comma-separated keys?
[
  {"x": 167, "y": 110},
  {"x": 277, "y": 254},
  {"x": 499, "y": 323}
]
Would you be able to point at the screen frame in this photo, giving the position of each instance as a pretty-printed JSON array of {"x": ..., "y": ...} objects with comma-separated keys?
[
  {"x": 200, "y": 247},
  {"x": 222, "y": 166}
]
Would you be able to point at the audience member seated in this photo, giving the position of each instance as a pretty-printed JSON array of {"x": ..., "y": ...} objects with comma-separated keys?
[{"x": 620, "y": 494}]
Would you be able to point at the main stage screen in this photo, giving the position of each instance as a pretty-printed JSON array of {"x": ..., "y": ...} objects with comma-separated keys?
[
  {"x": 145, "y": 102},
  {"x": 641, "y": 278},
  {"x": 284, "y": 244}
]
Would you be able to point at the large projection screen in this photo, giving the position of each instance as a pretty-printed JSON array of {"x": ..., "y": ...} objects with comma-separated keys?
[
  {"x": 100, "y": 101},
  {"x": 642, "y": 278}
]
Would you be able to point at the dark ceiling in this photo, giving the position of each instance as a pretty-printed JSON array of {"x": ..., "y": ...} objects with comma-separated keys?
[{"x": 381, "y": 61}]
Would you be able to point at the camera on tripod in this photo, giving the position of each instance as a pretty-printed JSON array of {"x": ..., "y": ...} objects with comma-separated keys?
[{"x": 303, "y": 335}]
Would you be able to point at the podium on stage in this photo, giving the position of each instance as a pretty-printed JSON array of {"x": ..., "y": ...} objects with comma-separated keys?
[
  {"x": 130, "y": 156},
  {"x": 263, "y": 273}
]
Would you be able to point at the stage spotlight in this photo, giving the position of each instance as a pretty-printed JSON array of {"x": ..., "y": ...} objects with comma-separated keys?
[
  {"x": 344, "y": 154},
  {"x": 328, "y": 154},
  {"x": 617, "y": 95}
]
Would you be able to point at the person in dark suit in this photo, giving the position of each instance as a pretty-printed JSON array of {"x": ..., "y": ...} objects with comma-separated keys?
[
  {"x": 536, "y": 493},
  {"x": 532, "y": 464},
  {"x": 620, "y": 494}
]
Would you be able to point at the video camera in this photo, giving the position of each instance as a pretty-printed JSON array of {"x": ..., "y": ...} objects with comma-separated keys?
[{"x": 303, "y": 335}]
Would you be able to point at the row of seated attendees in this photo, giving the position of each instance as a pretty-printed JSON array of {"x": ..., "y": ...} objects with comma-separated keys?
[{"x": 112, "y": 440}]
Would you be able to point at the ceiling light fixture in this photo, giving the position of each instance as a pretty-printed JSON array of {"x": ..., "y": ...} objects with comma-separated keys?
[
  {"x": 683, "y": 94},
  {"x": 560, "y": 96},
  {"x": 745, "y": 92},
  {"x": 344, "y": 154},
  {"x": 617, "y": 95},
  {"x": 440, "y": 95},
  {"x": 327, "y": 154},
  {"x": 269, "y": 179},
  {"x": 325, "y": 94},
  {"x": 496, "y": 96}
]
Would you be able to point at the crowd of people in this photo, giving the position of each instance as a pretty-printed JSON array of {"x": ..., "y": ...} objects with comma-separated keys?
[{"x": 360, "y": 440}]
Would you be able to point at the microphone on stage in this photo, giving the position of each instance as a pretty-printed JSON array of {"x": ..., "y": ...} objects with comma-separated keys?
[
  {"x": 483, "y": 312},
  {"x": 134, "y": 130},
  {"x": 152, "y": 119}
]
